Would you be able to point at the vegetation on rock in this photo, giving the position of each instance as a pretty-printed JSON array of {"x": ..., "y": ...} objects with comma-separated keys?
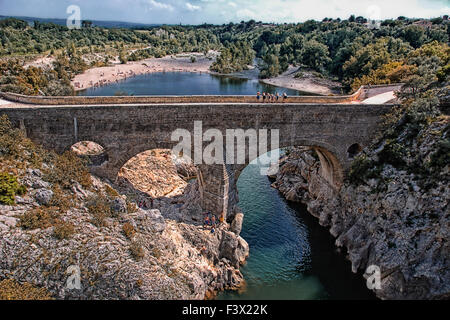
[{"x": 13, "y": 290}]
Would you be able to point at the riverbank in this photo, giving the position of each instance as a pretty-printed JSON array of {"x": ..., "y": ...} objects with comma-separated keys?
[
  {"x": 97, "y": 77},
  {"x": 101, "y": 76},
  {"x": 396, "y": 219},
  {"x": 308, "y": 82}
]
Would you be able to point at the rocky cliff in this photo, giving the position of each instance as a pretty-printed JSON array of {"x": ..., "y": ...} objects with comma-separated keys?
[
  {"x": 392, "y": 212},
  {"x": 58, "y": 223}
]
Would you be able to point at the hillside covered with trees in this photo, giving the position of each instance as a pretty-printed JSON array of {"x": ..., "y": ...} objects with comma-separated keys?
[{"x": 349, "y": 51}]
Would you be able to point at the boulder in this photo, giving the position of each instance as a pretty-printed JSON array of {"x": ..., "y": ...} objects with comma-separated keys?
[
  {"x": 236, "y": 225},
  {"x": 43, "y": 196},
  {"x": 119, "y": 205},
  {"x": 149, "y": 221}
]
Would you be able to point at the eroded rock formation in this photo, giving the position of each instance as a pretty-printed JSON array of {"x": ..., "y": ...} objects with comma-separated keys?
[
  {"x": 162, "y": 252},
  {"x": 396, "y": 219}
]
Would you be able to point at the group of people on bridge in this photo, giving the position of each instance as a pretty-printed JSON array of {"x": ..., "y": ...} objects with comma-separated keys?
[{"x": 270, "y": 97}]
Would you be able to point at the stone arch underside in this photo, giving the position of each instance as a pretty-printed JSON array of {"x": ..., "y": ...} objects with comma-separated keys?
[{"x": 218, "y": 182}]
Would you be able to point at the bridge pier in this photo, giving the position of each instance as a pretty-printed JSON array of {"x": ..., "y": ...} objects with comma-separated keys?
[{"x": 218, "y": 189}]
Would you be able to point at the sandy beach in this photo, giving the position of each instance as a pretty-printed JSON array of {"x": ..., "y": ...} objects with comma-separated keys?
[
  {"x": 96, "y": 77},
  {"x": 307, "y": 83}
]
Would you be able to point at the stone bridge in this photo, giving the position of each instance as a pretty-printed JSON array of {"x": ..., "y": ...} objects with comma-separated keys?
[{"x": 337, "y": 130}]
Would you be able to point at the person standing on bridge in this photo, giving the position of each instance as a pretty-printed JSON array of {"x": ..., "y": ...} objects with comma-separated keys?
[
  {"x": 258, "y": 96},
  {"x": 284, "y": 97}
]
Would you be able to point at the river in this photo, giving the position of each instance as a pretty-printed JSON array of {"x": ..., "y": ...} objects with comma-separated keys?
[
  {"x": 185, "y": 83},
  {"x": 291, "y": 256}
]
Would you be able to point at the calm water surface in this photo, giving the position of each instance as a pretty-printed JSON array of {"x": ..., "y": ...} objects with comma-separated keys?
[
  {"x": 291, "y": 256},
  {"x": 185, "y": 83}
]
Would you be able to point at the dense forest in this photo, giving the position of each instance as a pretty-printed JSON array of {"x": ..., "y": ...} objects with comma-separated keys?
[{"x": 350, "y": 51}]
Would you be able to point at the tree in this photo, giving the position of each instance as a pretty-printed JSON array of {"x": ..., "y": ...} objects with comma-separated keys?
[
  {"x": 86, "y": 24},
  {"x": 271, "y": 66},
  {"x": 415, "y": 35},
  {"x": 122, "y": 57},
  {"x": 315, "y": 55},
  {"x": 360, "y": 20}
]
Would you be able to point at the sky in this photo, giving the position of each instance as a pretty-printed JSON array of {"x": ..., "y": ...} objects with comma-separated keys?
[{"x": 225, "y": 11}]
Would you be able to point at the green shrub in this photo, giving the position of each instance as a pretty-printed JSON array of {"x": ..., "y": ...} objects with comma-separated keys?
[
  {"x": 359, "y": 169},
  {"x": 9, "y": 188},
  {"x": 128, "y": 230},
  {"x": 443, "y": 73},
  {"x": 9, "y": 138},
  {"x": 111, "y": 192},
  {"x": 10, "y": 289},
  {"x": 67, "y": 168},
  {"x": 393, "y": 153},
  {"x": 61, "y": 199},
  {"x": 131, "y": 207},
  {"x": 441, "y": 157},
  {"x": 100, "y": 209}
]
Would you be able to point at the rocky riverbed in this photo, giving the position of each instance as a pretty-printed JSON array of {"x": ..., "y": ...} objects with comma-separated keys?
[
  {"x": 155, "y": 252},
  {"x": 396, "y": 219}
]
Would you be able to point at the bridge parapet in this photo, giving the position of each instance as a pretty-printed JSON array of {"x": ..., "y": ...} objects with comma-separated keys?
[{"x": 113, "y": 100}]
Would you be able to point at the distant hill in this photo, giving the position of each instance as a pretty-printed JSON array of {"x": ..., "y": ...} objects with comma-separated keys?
[{"x": 96, "y": 23}]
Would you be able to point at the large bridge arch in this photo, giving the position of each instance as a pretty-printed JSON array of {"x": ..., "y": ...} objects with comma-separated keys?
[{"x": 218, "y": 182}]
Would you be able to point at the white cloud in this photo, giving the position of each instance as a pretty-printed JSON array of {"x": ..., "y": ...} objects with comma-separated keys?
[
  {"x": 232, "y": 4},
  {"x": 245, "y": 14},
  {"x": 192, "y": 7},
  {"x": 160, "y": 5}
]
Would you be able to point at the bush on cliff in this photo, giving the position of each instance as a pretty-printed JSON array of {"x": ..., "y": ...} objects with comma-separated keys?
[
  {"x": 68, "y": 168},
  {"x": 39, "y": 218},
  {"x": 393, "y": 153},
  {"x": 9, "y": 188}
]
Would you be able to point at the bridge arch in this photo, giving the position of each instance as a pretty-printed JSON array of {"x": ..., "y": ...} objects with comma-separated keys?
[
  {"x": 94, "y": 152},
  {"x": 218, "y": 183}
]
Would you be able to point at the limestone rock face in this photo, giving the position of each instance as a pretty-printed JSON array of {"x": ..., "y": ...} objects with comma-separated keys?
[
  {"x": 184, "y": 167},
  {"x": 391, "y": 222},
  {"x": 236, "y": 225},
  {"x": 233, "y": 248},
  {"x": 159, "y": 251},
  {"x": 154, "y": 172}
]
